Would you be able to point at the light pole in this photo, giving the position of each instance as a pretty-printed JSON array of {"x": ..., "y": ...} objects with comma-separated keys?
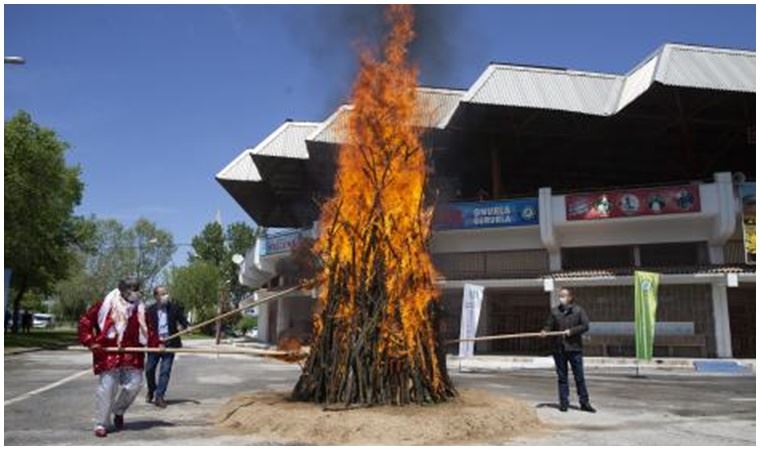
[{"x": 14, "y": 60}]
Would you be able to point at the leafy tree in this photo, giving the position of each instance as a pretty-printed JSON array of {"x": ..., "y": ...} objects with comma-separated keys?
[
  {"x": 216, "y": 246},
  {"x": 117, "y": 251},
  {"x": 209, "y": 245},
  {"x": 196, "y": 286},
  {"x": 41, "y": 192}
]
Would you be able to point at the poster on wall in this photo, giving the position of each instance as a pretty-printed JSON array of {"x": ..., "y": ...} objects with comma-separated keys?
[
  {"x": 633, "y": 202},
  {"x": 747, "y": 194},
  {"x": 486, "y": 214}
]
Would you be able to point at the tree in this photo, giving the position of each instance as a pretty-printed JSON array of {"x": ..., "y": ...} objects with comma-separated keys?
[
  {"x": 116, "y": 251},
  {"x": 209, "y": 245},
  {"x": 196, "y": 286},
  {"x": 216, "y": 246},
  {"x": 41, "y": 192}
]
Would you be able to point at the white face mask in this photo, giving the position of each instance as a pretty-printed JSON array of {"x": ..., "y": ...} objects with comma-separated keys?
[
  {"x": 564, "y": 300},
  {"x": 164, "y": 298}
]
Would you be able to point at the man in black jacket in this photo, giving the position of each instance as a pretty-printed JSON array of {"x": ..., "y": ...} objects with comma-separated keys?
[
  {"x": 166, "y": 317},
  {"x": 571, "y": 319}
]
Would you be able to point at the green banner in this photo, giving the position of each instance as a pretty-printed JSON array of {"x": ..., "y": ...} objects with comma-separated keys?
[{"x": 645, "y": 295}]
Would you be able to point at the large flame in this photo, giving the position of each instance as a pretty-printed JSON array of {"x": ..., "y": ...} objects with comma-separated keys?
[{"x": 375, "y": 228}]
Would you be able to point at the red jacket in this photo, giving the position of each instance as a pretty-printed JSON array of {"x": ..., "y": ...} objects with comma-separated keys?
[{"x": 90, "y": 333}]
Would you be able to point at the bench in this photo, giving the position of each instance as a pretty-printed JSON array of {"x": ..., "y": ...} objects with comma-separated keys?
[{"x": 693, "y": 345}]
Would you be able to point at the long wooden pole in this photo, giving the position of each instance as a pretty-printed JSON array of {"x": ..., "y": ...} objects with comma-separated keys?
[
  {"x": 235, "y": 311},
  {"x": 232, "y": 351},
  {"x": 507, "y": 336}
]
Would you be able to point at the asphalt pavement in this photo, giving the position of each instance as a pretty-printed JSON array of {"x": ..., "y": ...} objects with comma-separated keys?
[{"x": 49, "y": 400}]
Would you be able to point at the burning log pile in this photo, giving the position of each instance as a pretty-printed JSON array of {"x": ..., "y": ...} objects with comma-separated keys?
[{"x": 374, "y": 339}]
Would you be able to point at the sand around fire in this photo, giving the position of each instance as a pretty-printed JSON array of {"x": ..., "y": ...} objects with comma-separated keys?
[{"x": 476, "y": 417}]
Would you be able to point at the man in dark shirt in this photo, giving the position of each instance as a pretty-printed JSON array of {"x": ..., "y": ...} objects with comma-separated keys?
[
  {"x": 165, "y": 317},
  {"x": 571, "y": 319}
]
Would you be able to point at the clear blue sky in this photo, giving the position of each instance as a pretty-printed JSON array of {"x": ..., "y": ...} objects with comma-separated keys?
[{"x": 156, "y": 99}]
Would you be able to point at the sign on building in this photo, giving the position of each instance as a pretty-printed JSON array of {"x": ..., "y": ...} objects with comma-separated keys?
[
  {"x": 486, "y": 214},
  {"x": 747, "y": 194},
  {"x": 283, "y": 242},
  {"x": 633, "y": 202}
]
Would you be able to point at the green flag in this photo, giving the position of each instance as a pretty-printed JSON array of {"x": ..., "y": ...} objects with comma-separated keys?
[{"x": 645, "y": 295}]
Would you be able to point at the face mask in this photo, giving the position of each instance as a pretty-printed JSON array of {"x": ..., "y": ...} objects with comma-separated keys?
[
  {"x": 564, "y": 300},
  {"x": 133, "y": 296},
  {"x": 164, "y": 298}
]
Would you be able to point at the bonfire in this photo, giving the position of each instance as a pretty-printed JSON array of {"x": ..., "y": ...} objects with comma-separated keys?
[{"x": 374, "y": 338}]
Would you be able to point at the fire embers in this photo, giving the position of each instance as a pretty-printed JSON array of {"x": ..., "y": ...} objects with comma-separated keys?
[{"x": 374, "y": 340}]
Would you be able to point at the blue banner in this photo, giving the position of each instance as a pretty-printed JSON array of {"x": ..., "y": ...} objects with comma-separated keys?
[{"x": 486, "y": 214}]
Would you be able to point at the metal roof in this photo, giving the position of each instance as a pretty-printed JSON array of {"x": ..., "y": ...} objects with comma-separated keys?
[
  {"x": 433, "y": 105},
  {"x": 604, "y": 94},
  {"x": 287, "y": 141},
  {"x": 507, "y": 85}
]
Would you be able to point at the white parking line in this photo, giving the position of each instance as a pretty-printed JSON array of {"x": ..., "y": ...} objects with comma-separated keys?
[{"x": 47, "y": 388}]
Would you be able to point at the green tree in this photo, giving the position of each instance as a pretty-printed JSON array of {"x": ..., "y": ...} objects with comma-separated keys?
[
  {"x": 41, "y": 192},
  {"x": 196, "y": 286},
  {"x": 216, "y": 246},
  {"x": 117, "y": 251},
  {"x": 209, "y": 245}
]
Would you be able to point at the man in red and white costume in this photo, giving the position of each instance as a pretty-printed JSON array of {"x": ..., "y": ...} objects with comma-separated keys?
[{"x": 117, "y": 321}]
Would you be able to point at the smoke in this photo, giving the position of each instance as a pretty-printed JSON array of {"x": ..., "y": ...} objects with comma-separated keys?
[{"x": 331, "y": 36}]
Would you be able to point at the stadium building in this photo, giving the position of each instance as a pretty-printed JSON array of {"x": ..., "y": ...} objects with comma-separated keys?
[{"x": 546, "y": 177}]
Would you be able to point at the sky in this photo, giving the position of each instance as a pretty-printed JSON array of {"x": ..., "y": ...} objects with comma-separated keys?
[{"x": 155, "y": 100}]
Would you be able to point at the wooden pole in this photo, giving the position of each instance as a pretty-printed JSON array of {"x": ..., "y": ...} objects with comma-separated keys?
[
  {"x": 208, "y": 350},
  {"x": 507, "y": 336},
  {"x": 230, "y": 351},
  {"x": 235, "y": 311}
]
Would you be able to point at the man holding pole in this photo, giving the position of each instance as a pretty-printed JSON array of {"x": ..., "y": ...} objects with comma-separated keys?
[
  {"x": 573, "y": 321},
  {"x": 116, "y": 322},
  {"x": 165, "y": 317}
]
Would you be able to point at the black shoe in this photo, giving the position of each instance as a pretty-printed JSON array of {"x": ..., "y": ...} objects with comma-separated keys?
[
  {"x": 149, "y": 398},
  {"x": 563, "y": 408},
  {"x": 160, "y": 402},
  {"x": 588, "y": 408}
]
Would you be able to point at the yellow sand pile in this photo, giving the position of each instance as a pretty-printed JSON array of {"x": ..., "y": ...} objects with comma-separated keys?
[{"x": 475, "y": 417}]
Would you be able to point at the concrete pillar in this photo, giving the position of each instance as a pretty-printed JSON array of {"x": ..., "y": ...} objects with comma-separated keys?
[
  {"x": 715, "y": 253},
  {"x": 555, "y": 260},
  {"x": 720, "y": 317},
  {"x": 546, "y": 227},
  {"x": 283, "y": 316},
  {"x": 725, "y": 221},
  {"x": 263, "y": 321}
]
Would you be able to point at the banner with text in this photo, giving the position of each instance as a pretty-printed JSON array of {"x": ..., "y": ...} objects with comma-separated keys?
[
  {"x": 486, "y": 214},
  {"x": 633, "y": 202},
  {"x": 747, "y": 194},
  {"x": 471, "y": 302}
]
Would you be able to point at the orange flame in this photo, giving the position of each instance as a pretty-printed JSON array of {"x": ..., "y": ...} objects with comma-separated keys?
[{"x": 377, "y": 212}]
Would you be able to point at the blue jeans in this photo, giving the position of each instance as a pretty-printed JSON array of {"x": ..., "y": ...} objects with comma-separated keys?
[
  {"x": 165, "y": 371},
  {"x": 561, "y": 358}
]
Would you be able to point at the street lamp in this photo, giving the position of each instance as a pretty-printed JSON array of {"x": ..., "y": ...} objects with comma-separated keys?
[{"x": 14, "y": 60}]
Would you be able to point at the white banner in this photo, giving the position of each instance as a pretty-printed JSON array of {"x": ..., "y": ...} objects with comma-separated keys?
[{"x": 471, "y": 301}]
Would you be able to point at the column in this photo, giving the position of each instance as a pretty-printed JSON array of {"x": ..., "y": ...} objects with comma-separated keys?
[
  {"x": 720, "y": 317},
  {"x": 262, "y": 314},
  {"x": 283, "y": 317}
]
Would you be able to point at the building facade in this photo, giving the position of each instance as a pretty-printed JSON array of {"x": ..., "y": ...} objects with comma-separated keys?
[{"x": 544, "y": 178}]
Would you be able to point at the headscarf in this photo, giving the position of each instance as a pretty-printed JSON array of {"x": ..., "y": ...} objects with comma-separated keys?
[{"x": 120, "y": 311}]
